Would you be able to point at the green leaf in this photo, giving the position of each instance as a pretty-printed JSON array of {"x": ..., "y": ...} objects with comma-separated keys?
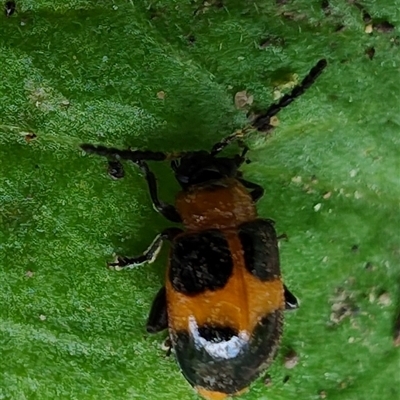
[{"x": 77, "y": 72}]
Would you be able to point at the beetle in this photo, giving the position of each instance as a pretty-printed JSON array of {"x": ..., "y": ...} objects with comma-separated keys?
[{"x": 223, "y": 298}]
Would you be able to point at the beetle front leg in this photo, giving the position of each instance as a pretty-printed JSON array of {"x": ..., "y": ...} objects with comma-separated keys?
[
  {"x": 167, "y": 210},
  {"x": 149, "y": 255},
  {"x": 115, "y": 170},
  {"x": 257, "y": 190}
]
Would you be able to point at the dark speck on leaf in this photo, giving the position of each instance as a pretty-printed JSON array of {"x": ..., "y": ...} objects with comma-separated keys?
[
  {"x": 355, "y": 248},
  {"x": 268, "y": 380},
  {"x": 155, "y": 12},
  {"x": 383, "y": 27},
  {"x": 291, "y": 359},
  {"x": 191, "y": 39},
  {"x": 343, "y": 306},
  {"x": 115, "y": 170},
  {"x": 370, "y": 52},
  {"x": 30, "y": 136},
  {"x": 9, "y": 8},
  {"x": 369, "y": 266},
  {"x": 325, "y": 7},
  {"x": 395, "y": 41},
  {"x": 366, "y": 17},
  {"x": 340, "y": 28},
  {"x": 314, "y": 179},
  {"x": 396, "y": 333}
]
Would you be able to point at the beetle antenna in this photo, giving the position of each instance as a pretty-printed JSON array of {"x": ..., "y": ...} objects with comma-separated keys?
[
  {"x": 261, "y": 122},
  {"x": 127, "y": 154}
]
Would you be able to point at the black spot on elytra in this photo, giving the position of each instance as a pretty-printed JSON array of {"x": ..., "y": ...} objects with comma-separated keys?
[
  {"x": 200, "y": 262},
  {"x": 260, "y": 246}
]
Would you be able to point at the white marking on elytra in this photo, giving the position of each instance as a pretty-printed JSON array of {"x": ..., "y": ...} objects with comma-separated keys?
[{"x": 225, "y": 349}]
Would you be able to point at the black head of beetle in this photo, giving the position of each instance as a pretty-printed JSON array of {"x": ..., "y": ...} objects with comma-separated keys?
[{"x": 200, "y": 167}]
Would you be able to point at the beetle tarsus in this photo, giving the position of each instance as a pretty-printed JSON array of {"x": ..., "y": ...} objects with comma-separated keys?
[
  {"x": 149, "y": 255},
  {"x": 256, "y": 193},
  {"x": 284, "y": 237},
  {"x": 291, "y": 301}
]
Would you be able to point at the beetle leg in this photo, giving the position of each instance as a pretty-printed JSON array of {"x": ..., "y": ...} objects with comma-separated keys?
[
  {"x": 283, "y": 237},
  {"x": 167, "y": 210},
  {"x": 240, "y": 159},
  {"x": 127, "y": 154},
  {"x": 158, "y": 317},
  {"x": 149, "y": 255},
  {"x": 257, "y": 191},
  {"x": 137, "y": 157},
  {"x": 167, "y": 346},
  {"x": 291, "y": 301}
]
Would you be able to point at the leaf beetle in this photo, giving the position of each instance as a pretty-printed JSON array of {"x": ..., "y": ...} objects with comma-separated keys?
[{"x": 223, "y": 298}]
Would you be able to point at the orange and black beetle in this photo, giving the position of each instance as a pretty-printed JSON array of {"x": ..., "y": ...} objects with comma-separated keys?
[{"x": 223, "y": 299}]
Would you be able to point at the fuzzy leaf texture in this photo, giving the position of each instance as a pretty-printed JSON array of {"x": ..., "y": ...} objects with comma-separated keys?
[{"x": 163, "y": 75}]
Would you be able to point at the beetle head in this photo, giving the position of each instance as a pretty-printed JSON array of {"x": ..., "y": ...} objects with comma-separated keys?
[{"x": 200, "y": 167}]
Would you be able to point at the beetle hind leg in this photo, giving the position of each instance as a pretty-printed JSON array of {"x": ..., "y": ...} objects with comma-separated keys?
[
  {"x": 147, "y": 257},
  {"x": 158, "y": 317}
]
